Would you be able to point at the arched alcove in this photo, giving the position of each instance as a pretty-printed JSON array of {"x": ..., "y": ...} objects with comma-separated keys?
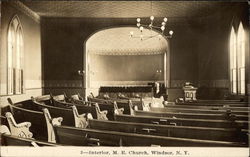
[{"x": 112, "y": 58}]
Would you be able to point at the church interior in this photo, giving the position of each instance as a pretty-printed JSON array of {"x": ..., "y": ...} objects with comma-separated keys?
[{"x": 125, "y": 73}]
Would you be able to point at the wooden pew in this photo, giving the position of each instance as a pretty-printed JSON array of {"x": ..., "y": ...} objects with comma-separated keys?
[
  {"x": 182, "y": 121},
  {"x": 99, "y": 111},
  {"x": 217, "y": 134},
  {"x": 185, "y": 115},
  {"x": 220, "y": 101},
  {"x": 135, "y": 104},
  {"x": 36, "y": 118},
  {"x": 81, "y": 137},
  {"x": 215, "y": 108},
  {"x": 93, "y": 109},
  {"x": 44, "y": 99},
  {"x": 67, "y": 113},
  {"x": 42, "y": 130},
  {"x": 238, "y": 104},
  {"x": 109, "y": 106},
  {"x": 193, "y": 110},
  {"x": 10, "y": 140}
]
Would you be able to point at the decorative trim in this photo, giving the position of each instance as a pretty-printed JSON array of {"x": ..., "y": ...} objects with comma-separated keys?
[
  {"x": 63, "y": 84},
  {"x": 27, "y": 11},
  {"x": 97, "y": 84},
  {"x": 117, "y": 52}
]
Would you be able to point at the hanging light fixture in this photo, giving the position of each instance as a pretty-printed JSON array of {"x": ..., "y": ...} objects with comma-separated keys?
[
  {"x": 161, "y": 28},
  {"x": 152, "y": 27}
]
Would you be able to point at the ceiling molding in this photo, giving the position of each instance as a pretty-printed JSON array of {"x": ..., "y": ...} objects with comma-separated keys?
[{"x": 27, "y": 11}]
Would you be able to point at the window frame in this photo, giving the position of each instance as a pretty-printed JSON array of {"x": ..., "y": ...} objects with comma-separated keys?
[
  {"x": 16, "y": 57},
  {"x": 237, "y": 60}
]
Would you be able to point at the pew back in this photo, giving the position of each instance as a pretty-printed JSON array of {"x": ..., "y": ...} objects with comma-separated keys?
[
  {"x": 183, "y": 115},
  {"x": 36, "y": 118},
  {"x": 66, "y": 113},
  {"x": 10, "y": 140},
  {"x": 77, "y": 136},
  {"x": 193, "y": 110},
  {"x": 81, "y": 108},
  {"x": 178, "y": 121},
  {"x": 219, "y": 134}
]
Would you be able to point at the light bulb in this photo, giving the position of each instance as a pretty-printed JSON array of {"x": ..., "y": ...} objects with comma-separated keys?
[
  {"x": 131, "y": 33},
  {"x": 165, "y": 19},
  {"x": 141, "y": 36},
  {"x": 171, "y": 32},
  {"x": 152, "y": 18},
  {"x": 159, "y": 36},
  {"x": 141, "y": 28},
  {"x": 138, "y": 24},
  {"x": 162, "y": 28},
  {"x": 163, "y": 23},
  {"x": 138, "y": 19}
]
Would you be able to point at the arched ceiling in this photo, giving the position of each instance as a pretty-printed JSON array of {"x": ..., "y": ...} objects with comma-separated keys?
[{"x": 117, "y": 41}]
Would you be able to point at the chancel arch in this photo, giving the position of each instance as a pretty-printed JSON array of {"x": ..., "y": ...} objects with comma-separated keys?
[{"x": 113, "y": 58}]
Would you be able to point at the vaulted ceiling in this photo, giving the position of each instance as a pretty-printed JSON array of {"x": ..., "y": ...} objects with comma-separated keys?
[{"x": 126, "y": 9}]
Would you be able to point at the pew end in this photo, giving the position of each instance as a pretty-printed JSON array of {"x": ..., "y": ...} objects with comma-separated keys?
[
  {"x": 118, "y": 111},
  {"x": 132, "y": 112},
  {"x": 21, "y": 129},
  {"x": 101, "y": 115},
  {"x": 50, "y": 123},
  {"x": 80, "y": 120}
]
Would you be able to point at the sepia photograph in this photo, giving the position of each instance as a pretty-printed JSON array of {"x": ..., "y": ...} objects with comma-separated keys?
[{"x": 124, "y": 78}]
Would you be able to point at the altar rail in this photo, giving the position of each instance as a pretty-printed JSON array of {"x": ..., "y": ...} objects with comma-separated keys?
[{"x": 127, "y": 91}]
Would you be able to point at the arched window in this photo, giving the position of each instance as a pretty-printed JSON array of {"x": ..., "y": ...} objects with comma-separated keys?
[
  {"x": 15, "y": 57},
  {"x": 237, "y": 60},
  {"x": 241, "y": 59},
  {"x": 233, "y": 67}
]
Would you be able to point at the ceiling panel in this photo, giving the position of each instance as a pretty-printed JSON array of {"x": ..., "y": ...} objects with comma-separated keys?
[{"x": 125, "y": 9}]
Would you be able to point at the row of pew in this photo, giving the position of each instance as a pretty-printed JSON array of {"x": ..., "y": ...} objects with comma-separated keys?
[{"x": 62, "y": 120}]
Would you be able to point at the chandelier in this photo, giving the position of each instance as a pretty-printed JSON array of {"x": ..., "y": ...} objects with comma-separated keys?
[{"x": 161, "y": 29}]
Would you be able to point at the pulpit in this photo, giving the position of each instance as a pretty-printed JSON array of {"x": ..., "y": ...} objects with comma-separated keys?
[{"x": 189, "y": 92}]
